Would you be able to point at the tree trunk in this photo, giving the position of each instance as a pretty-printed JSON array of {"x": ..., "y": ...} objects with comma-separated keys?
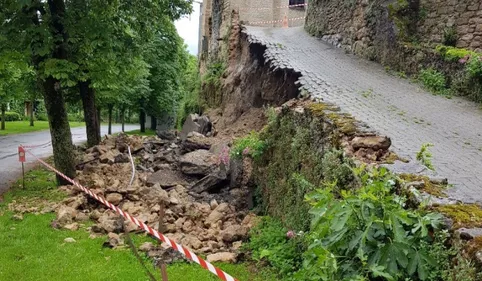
[
  {"x": 153, "y": 123},
  {"x": 111, "y": 107},
  {"x": 142, "y": 120},
  {"x": 4, "y": 108},
  {"x": 122, "y": 116},
  {"x": 31, "y": 112},
  {"x": 99, "y": 121},
  {"x": 90, "y": 114},
  {"x": 54, "y": 100}
]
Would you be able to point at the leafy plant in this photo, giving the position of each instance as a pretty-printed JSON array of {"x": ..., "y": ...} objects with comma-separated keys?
[
  {"x": 251, "y": 146},
  {"x": 450, "y": 36},
  {"x": 273, "y": 243},
  {"x": 12, "y": 116},
  {"x": 433, "y": 80},
  {"x": 425, "y": 156},
  {"x": 474, "y": 67},
  {"x": 271, "y": 114},
  {"x": 367, "y": 234}
]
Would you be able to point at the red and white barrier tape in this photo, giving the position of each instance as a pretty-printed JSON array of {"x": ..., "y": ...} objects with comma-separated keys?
[
  {"x": 275, "y": 21},
  {"x": 269, "y": 8},
  {"x": 181, "y": 249},
  {"x": 35, "y": 146}
]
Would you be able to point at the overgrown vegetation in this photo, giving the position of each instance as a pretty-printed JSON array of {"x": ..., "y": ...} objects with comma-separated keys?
[
  {"x": 425, "y": 156},
  {"x": 433, "y": 80},
  {"x": 250, "y": 146},
  {"x": 211, "y": 83},
  {"x": 190, "y": 102},
  {"x": 281, "y": 248}
]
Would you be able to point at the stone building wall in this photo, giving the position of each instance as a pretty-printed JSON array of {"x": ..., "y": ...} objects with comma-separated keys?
[
  {"x": 216, "y": 19},
  {"x": 368, "y": 27}
]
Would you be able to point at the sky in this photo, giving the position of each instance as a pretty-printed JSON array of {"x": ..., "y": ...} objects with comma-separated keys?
[{"x": 188, "y": 29}]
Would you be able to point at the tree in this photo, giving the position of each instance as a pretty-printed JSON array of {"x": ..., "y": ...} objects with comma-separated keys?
[{"x": 12, "y": 69}]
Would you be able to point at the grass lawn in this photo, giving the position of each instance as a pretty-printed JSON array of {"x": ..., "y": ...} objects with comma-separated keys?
[
  {"x": 148, "y": 132},
  {"x": 19, "y": 127},
  {"x": 30, "y": 249}
]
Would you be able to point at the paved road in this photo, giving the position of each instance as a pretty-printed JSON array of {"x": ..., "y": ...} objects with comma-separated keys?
[
  {"x": 392, "y": 106},
  {"x": 10, "y": 168}
]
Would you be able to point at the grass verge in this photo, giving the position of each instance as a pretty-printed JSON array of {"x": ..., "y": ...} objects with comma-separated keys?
[
  {"x": 32, "y": 250},
  {"x": 20, "y": 127},
  {"x": 148, "y": 132}
]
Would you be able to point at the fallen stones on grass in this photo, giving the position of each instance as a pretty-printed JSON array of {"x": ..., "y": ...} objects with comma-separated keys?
[{"x": 222, "y": 257}]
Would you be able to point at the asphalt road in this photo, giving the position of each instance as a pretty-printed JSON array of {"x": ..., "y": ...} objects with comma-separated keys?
[{"x": 10, "y": 168}]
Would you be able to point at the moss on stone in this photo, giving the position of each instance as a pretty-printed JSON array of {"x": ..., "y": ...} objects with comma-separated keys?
[
  {"x": 429, "y": 187},
  {"x": 320, "y": 109},
  {"x": 463, "y": 215},
  {"x": 474, "y": 246}
]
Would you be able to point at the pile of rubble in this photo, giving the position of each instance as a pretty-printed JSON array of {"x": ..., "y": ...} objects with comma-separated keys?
[{"x": 187, "y": 187}]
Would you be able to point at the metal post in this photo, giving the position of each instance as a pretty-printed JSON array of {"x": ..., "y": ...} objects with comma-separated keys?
[{"x": 23, "y": 176}]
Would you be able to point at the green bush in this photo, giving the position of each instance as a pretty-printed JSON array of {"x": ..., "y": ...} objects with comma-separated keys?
[
  {"x": 367, "y": 234},
  {"x": 75, "y": 117},
  {"x": 42, "y": 117},
  {"x": 272, "y": 243},
  {"x": 474, "y": 68},
  {"x": 12, "y": 116},
  {"x": 251, "y": 146},
  {"x": 454, "y": 54},
  {"x": 450, "y": 36},
  {"x": 433, "y": 80}
]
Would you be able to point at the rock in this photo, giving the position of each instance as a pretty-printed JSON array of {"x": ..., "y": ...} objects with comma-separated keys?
[
  {"x": 114, "y": 198},
  {"x": 109, "y": 156},
  {"x": 214, "y": 218},
  {"x": 146, "y": 247},
  {"x": 100, "y": 149},
  {"x": 250, "y": 221},
  {"x": 129, "y": 226},
  {"x": 195, "y": 123},
  {"x": 122, "y": 158},
  {"x": 166, "y": 134},
  {"x": 192, "y": 242},
  {"x": 17, "y": 217},
  {"x": 66, "y": 215},
  {"x": 95, "y": 215},
  {"x": 234, "y": 233},
  {"x": 372, "y": 142},
  {"x": 69, "y": 240},
  {"x": 154, "y": 194},
  {"x": 212, "y": 181},
  {"x": 214, "y": 204},
  {"x": 200, "y": 162},
  {"x": 195, "y": 141},
  {"x": 237, "y": 245},
  {"x": 113, "y": 240},
  {"x": 469, "y": 233},
  {"x": 222, "y": 257},
  {"x": 111, "y": 223},
  {"x": 72, "y": 227},
  {"x": 165, "y": 178}
]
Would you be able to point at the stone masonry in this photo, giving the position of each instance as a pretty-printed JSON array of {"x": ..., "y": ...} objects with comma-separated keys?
[
  {"x": 405, "y": 112},
  {"x": 368, "y": 27}
]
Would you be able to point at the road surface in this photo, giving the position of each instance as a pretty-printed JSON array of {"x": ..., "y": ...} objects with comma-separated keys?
[
  {"x": 395, "y": 107},
  {"x": 10, "y": 168}
]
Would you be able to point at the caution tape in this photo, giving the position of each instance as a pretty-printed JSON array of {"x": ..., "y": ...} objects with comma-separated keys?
[
  {"x": 275, "y": 21},
  {"x": 35, "y": 146},
  {"x": 181, "y": 249},
  {"x": 268, "y": 8}
]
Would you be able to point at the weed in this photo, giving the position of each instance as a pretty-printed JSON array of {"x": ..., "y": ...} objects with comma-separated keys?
[
  {"x": 271, "y": 242},
  {"x": 433, "y": 80},
  {"x": 250, "y": 146},
  {"x": 270, "y": 112},
  {"x": 425, "y": 156},
  {"x": 402, "y": 74},
  {"x": 368, "y": 93},
  {"x": 450, "y": 36}
]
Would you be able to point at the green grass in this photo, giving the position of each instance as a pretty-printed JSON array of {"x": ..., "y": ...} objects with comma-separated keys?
[
  {"x": 148, "y": 132},
  {"x": 20, "y": 127},
  {"x": 32, "y": 250}
]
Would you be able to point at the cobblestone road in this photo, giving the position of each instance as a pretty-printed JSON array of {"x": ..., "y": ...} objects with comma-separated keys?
[{"x": 390, "y": 105}]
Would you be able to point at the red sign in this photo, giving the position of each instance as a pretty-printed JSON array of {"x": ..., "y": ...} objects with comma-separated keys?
[{"x": 21, "y": 154}]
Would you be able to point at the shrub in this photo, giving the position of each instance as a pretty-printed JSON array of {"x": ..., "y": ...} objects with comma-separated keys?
[
  {"x": 12, "y": 116},
  {"x": 42, "y": 117},
  {"x": 450, "y": 36},
  {"x": 449, "y": 53},
  {"x": 272, "y": 243},
  {"x": 433, "y": 80},
  {"x": 251, "y": 146},
  {"x": 474, "y": 68},
  {"x": 367, "y": 234}
]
